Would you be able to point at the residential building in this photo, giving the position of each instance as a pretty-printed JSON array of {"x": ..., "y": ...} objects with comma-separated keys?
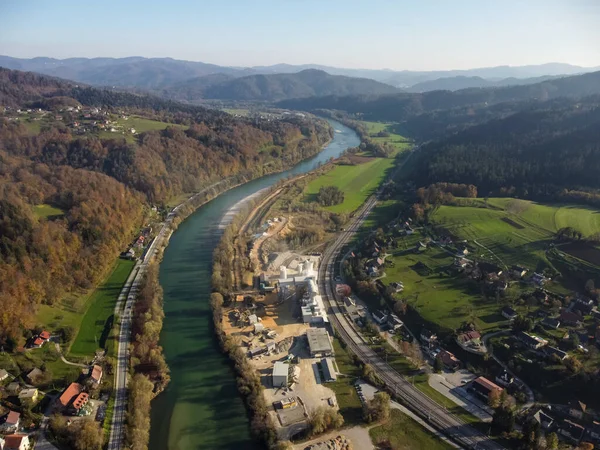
[
  {"x": 397, "y": 286},
  {"x": 29, "y": 395},
  {"x": 570, "y": 318},
  {"x": 380, "y": 317},
  {"x": 45, "y": 335},
  {"x": 531, "y": 341},
  {"x": 329, "y": 371},
  {"x": 259, "y": 328},
  {"x": 583, "y": 306},
  {"x": 11, "y": 422},
  {"x": 450, "y": 361},
  {"x": 13, "y": 388},
  {"x": 509, "y": 313},
  {"x": 460, "y": 262},
  {"x": 394, "y": 322},
  {"x": 539, "y": 279},
  {"x": 319, "y": 343},
  {"x": 252, "y": 319},
  {"x": 518, "y": 271},
  {"x": 34, "y": 374},
  {"x": 280, "y": 374},
  {"x": 3, "y": 374},
  {"x": 428, "y": 336},
  {"x": 483, "y": 387},
  {"x": 70, "y": 394},
  {"x": 593, "y": 432},
  {"x": 555, "y": 352},
  {"x": 469, "y": 338},
  {"x": 37, "y": 342},
  {"x": 16, "y": 442},
  {"x": 505, "y": 379},
  {"x": 96, "y": 374},
  {"x": 80, "y": 401},
  {"x": 571, "y": 431},
  {"x": 577, "y": 409},
  {"x": 546, "y": 421},
  {"x": 551, "y": 323}
]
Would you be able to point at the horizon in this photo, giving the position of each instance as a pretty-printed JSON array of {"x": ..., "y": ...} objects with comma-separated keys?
[
  {"x": 325, "y": 66},
  {"x": 429, "y": 36}
]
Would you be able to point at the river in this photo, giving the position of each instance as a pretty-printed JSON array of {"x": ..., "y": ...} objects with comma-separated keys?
[{"x": 201, "y": 408}]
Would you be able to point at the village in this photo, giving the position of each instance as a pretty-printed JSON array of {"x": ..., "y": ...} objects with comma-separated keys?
[
  {"x": 542, "y": 329},
  {"x": 24, "y": 399}
]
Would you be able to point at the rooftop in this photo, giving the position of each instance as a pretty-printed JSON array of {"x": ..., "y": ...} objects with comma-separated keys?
[
  {"x": 96, "y": 372},
  {"x": 13, "y": 417},
  {"x": 487, "y": 384},
  {"x": 73, "y": 390},
  {"x": 14, "y": 440},
  {"x": 318, "y": 340},
  {"x": 280, "y": 369}
]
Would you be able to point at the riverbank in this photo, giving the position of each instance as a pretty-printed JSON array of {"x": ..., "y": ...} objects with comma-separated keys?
[{"x": 202, "y": 398}]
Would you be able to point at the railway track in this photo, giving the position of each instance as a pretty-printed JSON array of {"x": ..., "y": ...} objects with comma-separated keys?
[{"x": 438, "y": 416}]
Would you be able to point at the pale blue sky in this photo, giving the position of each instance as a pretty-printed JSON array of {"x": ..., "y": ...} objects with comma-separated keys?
[{"x": 415, "y": 35}]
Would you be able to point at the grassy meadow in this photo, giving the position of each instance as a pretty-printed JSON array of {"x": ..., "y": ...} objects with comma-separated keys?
[
  {"x": 96, "y": 323},
  {"x": 357, "y": 182},
  {"x": 362, "y": 179},
  {"x": 45, "y": 211},
  {"x": 401, "y": 432}
]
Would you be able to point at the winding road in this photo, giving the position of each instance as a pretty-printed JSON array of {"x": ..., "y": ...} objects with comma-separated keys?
[{"x": 437, "y": 416}]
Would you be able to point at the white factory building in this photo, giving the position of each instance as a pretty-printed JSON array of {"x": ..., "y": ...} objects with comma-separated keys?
[
  {"x": 313, "y": 308},
  {"x": 280, "y": 374}
]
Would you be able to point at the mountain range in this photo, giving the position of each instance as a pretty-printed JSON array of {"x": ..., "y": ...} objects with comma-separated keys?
[{"x": 155, "y": 74}]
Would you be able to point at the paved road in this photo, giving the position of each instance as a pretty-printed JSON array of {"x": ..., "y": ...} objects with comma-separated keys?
[
  {"x": 129, "y": 294},
  {"x": 436, "y": 415}
]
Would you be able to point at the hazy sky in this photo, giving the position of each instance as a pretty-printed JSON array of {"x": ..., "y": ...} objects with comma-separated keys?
[{"x": 417, "y": 34}]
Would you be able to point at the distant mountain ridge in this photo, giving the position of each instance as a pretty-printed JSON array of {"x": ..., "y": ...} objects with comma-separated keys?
[
  {"x": 463, "y": 82},
  {"x": 308, "y": 83},
  {"x": 157, "y": 73},
  {"x": 398, "y": 107}
]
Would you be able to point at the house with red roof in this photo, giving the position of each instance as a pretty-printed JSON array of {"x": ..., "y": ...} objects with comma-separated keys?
[
  {"x": 11, "y": 422},
  {"x": 70, "y": 394},
  {"x": 16, "y": 442}
]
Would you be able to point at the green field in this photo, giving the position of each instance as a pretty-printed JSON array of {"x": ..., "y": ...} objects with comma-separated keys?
[
  {"x": 95, "y": 325},
  {"x": 514, "y": 231},
  {"x": 140, "y": 124},
  {"x": 345, "y": 392},
  {"x": 361, "y": 180},
  {"x": 398, "y": 141},
  {"x": 357, "y": 182},
  {"x": 44, "y": 211},
  {"x": 403, "y": 433},
  {"x": 439, "y": 297}
]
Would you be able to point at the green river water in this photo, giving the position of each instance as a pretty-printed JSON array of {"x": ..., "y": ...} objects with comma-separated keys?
[{"x": 201, "y": 408}]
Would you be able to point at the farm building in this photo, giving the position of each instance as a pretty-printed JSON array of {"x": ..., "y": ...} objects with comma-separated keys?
[
  {"x": 319, "y": 342},
  {"x": 280, "y": 374}
]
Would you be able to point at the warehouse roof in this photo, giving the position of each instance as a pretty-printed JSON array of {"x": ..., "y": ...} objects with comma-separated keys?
[{"x": 318, "y": 340}]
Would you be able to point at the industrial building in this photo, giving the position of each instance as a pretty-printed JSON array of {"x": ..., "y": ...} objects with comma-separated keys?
[
  {"x": 280, "y": 374},
  {"x": 319, "y": 342},
  {"x": 329, "y": 371},
  {"x": 313, "y": 308}
]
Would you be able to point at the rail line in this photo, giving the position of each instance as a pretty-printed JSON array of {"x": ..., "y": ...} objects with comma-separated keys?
[{"x": 426, "y": 408}]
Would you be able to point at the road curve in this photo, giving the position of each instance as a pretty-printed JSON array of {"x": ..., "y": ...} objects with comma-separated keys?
[{"x": 436, "y": 415}]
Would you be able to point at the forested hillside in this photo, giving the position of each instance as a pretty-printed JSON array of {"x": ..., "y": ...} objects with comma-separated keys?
[
  {"x": 399, "y": 107},
  {"x": 538, "y": 151},
  {"x": 307, "y": 83},
  {"x": 101, "y": 186}
]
